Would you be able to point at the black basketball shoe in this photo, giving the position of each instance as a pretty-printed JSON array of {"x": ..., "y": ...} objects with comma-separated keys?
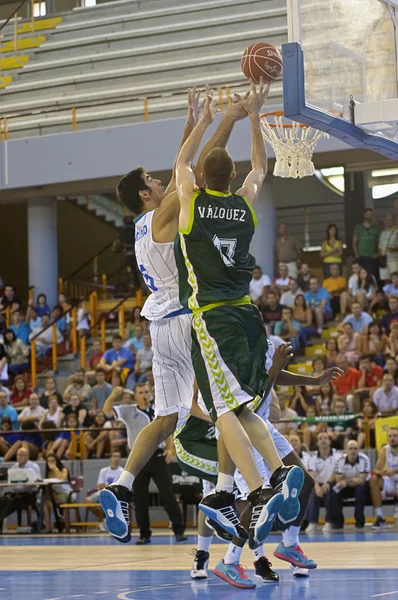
[{"x": 220, "y": 507}]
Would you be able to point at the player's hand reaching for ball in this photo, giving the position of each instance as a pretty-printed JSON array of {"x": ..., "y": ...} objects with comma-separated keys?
[
  {"x": 235, "y": 111},
  {"x": 253, "y": 101},
  {"x": 193, "y": 106},
  {"x": 209, "y": 109}
]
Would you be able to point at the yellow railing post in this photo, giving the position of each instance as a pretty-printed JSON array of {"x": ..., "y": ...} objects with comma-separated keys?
[
  {"x": 367, "y": 432},
  {"x": 54, "y": 348},
  {"x": 139, "y": 298},
  {"x": 104, "y": 286},
  {"x": 33, "y": 363},
  {"x": 8, "y": 316},
  {"x": 83, "y": 352},
  {"x": 73, "y": 445},
  {"x": 82, "y": 449},
  {"x": 74, "y": 330},
  {"x": 103, "y": 336},
  {"x": 95, "y": 302},
  {"x": 74, "y": 119},
  {"x": 60, "y": 286},
  {"x": 16, "y": 31},
  {"x": 1, "y": 120},
  {"x": 5, "y": 121},
  {"x": 228, "y": 93},
  {"x": 32, "y": 10},
  {"x": 121, "y": 321},
  {"x": 146, "y": 110}
]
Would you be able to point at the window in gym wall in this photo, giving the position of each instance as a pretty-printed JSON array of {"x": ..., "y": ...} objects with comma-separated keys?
[
  {"x": 388, "y": 183},
  {"x": 333, "y": 177},
  {"x": 39, "y": 9},
  {"x": 89, "y": 2}
]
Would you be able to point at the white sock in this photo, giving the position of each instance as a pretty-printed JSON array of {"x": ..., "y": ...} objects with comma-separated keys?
[
  {"x": 126, "y": 479},
  {"x": 291, "y": 536},
  {"x": 225, "y": 483},
  {"x": 258, "y": 552},
  {"x": 379, "y": 512},
  {"x": 233, "y": 554},
  {"x": 204, "y": 542}
]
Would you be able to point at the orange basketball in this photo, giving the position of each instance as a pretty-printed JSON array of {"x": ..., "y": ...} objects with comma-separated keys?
[{"x": 261, "y": 60}]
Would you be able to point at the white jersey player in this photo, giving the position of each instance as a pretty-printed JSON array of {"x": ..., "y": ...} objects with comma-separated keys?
[{"x": 384, "y": 483}]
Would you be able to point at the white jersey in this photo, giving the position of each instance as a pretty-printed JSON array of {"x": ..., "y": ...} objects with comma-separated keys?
[
  {"x": 156, "y": 262},
  {"x": 392, "y": 461},
  {"x": 264, "y": 409}
]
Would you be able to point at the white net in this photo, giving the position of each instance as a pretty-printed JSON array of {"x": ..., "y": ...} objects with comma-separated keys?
[{"x": 293, "y": 145}]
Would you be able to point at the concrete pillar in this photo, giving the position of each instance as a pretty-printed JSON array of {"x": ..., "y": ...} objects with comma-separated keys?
[
  {"x": 43, "y": 247},
  {"x": 262, "y": 246},
  {"x": 357, "y": 197}
]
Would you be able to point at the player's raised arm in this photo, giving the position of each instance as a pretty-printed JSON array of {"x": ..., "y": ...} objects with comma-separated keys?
[
  {"x": 186, "y": 182},
  {"x": 253, "y": 104}
]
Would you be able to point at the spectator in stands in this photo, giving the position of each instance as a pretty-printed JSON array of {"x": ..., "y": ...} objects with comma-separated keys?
[
  {"x": 353, "y": 279},
  {"x": 348, "y": 383},
  {"x": 78, "y": 386},
  {"x": 42, "y": 307},
  {"x": 299, "y": 449},
  {"x": 8, "y": 411},
  {"x": 392, "y": 340},
  {"x": 364, "y": 290},
  {"x": 384, "y": 482},
  {"x": 285, "y": 426},
  {"x": 8, "y": 437},
  {"x": 388, "y": 247},
  {"x": 20, "y": 328},
  {"x": 336, "y": 285},
  {"x": 97, "y": 354},
  {"x": 352, "y": 472},
  {"x": 61, "y": 444},
  {"x": 50, "y": 390},
  {"x": 96, "y": 440},
  {"x": 318, "y": 367},
  {"x": 44, "y": 339},
  {"x": 55, "y": 469},
  {"x": 391, "y": 289},
  {"x": 358, "y": 319},
  {"x": 271, "y": 310},
  {"x": 101, "y": 391},
  {"x": 340, "y": 429},
  {"x": 53, "y": 413},
  {"x": 371, "y": 377},
  {"x": 137, "y": 342},
  {"x": 259, "y": 285},
  {"x": 287, "y": 250},
  {"x": 29, "y": 438},
  {"x": 17, "y": 353},
  {"x": 301, "y": 401},
  {"x": 118, "y": 437},
  {"x": 75, "y": 407},
  {"x": 20, "y": 497},
  {"x": 144, "y": 359},
  {"x": 32, "y": 318},
  {"x": 374, "y": 342},
  {"x": 11, "y": 299},
  {"x": 324, "y": 400},
  {"x": 391, "y": 367},
  {"x": 281, "y": 281},
  {"x": 82, "y": 320},
  {"x": 303, "y": 280},
  {"x": 21, "y": 394},
  {"x": 347, "y": 343},
  {"x": 107, "y": 475},
  {"x": 287, "y": 328},
  {"x": 386, "y": 397},
  {"x": 136, "y": 319},
  {"x": 117, "y": 362},
  {"x": 319, "y": 302},
  {"x": 33, "y": 412},
  {"x": 332, "y": 251},
  {"x": 3, "y": 365},
  {"x": 288, "y": 297},
  {"x": 332, "y": 351},
  {"x": 59, "y": 319},
  {"x": 369, "y": 411},
  {"x": 379, "y": 305},
  {"x": 366, "y": 243},
  {"x": 321, "y": 467},
  {"x": 303, "y": 315},
  {"x": 392, "y": 316}
]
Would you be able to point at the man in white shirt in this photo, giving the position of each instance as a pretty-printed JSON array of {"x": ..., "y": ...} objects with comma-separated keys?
[
  {"x": 386, "y": 397},
  {"x": 353, "y": 280},
  {"x": 352, "y": 474},
  {"x": 288, "y": 298},
  {"x": 321, "y": 467},
  {"x": 259, "y": 284},
  {"x": 34, "y": 412},
  {"x": 106, "y": 476},
  {"x": 19, "y": 497}
]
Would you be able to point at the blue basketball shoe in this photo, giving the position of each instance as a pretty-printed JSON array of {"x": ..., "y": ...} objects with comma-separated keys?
[
  {"x": 234, "y": 574},
  {"x": 295, "y": 556}
]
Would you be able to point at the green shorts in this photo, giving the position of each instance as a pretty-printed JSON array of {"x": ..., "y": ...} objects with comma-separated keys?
[
  {"x": 196, "y": 449},
  {"x": 229, "y": 344}
]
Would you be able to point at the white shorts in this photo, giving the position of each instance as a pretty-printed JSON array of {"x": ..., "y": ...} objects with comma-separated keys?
[
  {"x": 390, "y": 488},
  {"x": 172, "y": 364},
  {"x": 283, "y": 448}
]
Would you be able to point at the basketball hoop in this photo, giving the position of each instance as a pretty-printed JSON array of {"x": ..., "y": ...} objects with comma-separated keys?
[{"x": 293, "y": 144}]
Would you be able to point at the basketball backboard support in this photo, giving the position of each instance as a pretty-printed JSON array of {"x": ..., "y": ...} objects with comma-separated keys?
[{"x": 340, "y": 70}]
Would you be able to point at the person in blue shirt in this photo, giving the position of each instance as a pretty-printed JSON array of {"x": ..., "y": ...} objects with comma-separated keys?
[
  {"x": 117, "y": 361},
  {"x": 42, "y": 306},
  {"x": 20, "y": 328},
  {"x": 8, "y": 411},
  {"x": 32, "y": 318},
  {"x": 137, "y": 342},
  {"x": 288, "y": 329},
  {"x": 391, "y": 289},
  {"x": 318, "y": 300},
  {"x": 358, "y": 319}
]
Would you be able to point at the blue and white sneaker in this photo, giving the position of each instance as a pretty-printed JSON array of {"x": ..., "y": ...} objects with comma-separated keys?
[
  {"x": 220, "y": 507},
  {"x": 266, "y": 503},
  {"x": 289, "y": 481},
  {"x": 295, "y": 556},
  {"x": 234, "y": 574},
  {"x": 115, "y": 501}
]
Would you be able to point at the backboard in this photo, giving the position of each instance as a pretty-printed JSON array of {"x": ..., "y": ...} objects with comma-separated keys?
[{"x": 340, "y": 70}]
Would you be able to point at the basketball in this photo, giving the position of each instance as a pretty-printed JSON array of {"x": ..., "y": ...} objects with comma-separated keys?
[{"x": 261, "y": 60}]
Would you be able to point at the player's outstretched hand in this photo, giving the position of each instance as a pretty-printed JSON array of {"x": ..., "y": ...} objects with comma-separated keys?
[
  {"x": 193, "y": 106},
  {"x": 332, "y": 374},
  {"x": 283, "y": 354},
  {"x": 253, "y": 102},
  {"x": 209, "y": 109},
  {"x": 235, "y": 110}
]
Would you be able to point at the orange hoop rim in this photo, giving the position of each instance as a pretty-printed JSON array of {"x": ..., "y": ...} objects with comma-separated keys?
[{"x": 281, "y": 113}]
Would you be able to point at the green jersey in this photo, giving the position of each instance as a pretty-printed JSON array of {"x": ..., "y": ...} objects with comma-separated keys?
[{"x": 212, "y": 254}]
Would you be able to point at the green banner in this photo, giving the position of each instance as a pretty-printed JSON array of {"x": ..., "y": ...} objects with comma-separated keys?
[{"x": 331, "y": 419}]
